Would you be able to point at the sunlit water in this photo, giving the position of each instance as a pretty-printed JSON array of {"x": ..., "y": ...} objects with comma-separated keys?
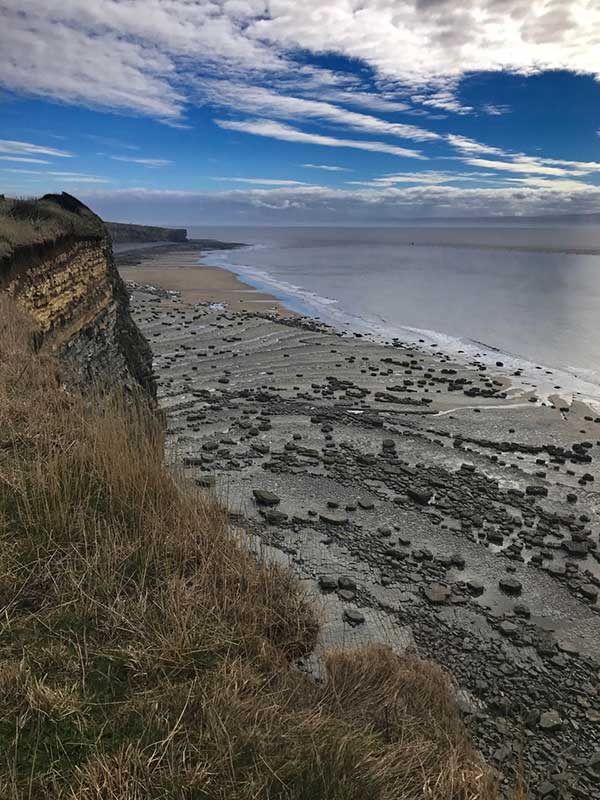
[{"x": 521, "y": 294}]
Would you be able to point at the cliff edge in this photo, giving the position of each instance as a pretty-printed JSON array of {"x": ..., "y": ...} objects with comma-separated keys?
[{"x": 56, "y": 260}]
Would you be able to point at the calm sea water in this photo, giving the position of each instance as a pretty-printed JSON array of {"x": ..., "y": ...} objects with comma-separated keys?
[{"x": 531, "y": 293}]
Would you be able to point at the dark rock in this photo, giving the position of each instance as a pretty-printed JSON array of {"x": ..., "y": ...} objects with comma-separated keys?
[
  {"x": 589, "y": 591},
  {"x": 327, "y": 583},
  {"x": 265, "y": 498},
  {"x": 421, "y": 496},
  {"x": 353, "y": 617},
  {"x": 521, "y": 610},
  {"x": 475, "y": 587},
  {"x": 274, "y": 517},
  {"x": 510, "y": 585}
]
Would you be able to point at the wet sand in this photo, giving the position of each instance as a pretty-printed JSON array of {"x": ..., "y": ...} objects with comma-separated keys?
[{"x": 180, "y": 271}]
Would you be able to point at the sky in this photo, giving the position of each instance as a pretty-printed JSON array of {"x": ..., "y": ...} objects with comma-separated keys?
[{"x": 303, "y": 111}]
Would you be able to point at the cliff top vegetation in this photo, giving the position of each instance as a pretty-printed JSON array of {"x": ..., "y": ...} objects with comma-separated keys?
[{"x": 26, "y": 223}]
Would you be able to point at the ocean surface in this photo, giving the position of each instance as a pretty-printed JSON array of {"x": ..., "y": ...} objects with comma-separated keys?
[{"x": 522, "y": 294}]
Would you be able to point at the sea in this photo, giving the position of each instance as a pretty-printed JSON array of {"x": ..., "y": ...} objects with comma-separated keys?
[{"x": 526, "y": 295}]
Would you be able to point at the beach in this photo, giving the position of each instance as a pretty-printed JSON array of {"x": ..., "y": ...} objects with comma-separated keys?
[
  {"x": 177, "y": 269},
  {"x": 425, "y": 500}
]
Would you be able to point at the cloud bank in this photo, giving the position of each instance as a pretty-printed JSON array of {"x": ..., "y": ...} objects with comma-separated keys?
[
  {"x": 140, "y": 55},
  {"x": 322, "y": 205}
]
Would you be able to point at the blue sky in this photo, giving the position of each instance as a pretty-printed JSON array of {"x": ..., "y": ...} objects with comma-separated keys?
[{"x": 280, "y": 111}]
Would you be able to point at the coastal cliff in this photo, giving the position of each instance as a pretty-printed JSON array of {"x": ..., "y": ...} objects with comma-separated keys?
[
  {"x": 123, "y": 232},
  {"x": 56, "y": 261}
]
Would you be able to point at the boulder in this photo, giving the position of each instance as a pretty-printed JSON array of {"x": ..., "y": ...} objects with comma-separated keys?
[{"x": 265, "y": 498}]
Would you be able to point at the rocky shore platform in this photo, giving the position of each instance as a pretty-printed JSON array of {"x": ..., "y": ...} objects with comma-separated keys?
[{"x": 423, "y": 503}]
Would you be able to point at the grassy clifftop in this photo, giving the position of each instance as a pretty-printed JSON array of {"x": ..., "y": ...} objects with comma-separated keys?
[
  {"x": 145, "y": 654},
  {"x": 31, "y": 223}
]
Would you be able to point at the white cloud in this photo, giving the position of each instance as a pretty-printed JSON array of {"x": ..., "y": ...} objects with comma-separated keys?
[
  {"x": 277, "y": 130},
  {"x": 427, "y": 177},
  {"x": 58, "y": 176},
  {"x": 444, "y": 99},
  {"x": 23, "y": 171},
  {"x": 466, "y": 145},
  {"x": 561, "y": 184},
  {"x": 110, "y": 141},
  {"x": 517, "y": 162},
  {"x": 259, "y": 101},
  {"x": 263, "y": 181},
  {"x": 537, "y": 166},
  {"x": 318, "y": 204},
  {"x": 423, "y": 42},
  {"x": 145, "y": 162},
  {"x": 29, "y": 149},
  {"x": 24, "y": 160},
  {"x": 370, "y": 100},
  {"x": 495, "y": 110},
  {"x": 83, "y": 179},
  {"x": 326, "y": 167},
  {"x": 137, "y": 55}
]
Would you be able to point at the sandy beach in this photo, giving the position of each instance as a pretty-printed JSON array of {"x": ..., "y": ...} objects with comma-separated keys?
[{"x": 179, "y": 270}]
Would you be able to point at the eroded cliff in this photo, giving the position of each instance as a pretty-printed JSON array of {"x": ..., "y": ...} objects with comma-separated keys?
[{"x": 56, "y": 260}]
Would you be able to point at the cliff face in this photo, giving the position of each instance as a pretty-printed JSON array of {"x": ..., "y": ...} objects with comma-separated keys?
[
  {"x": 123, "y": 232},
  {"x": 56, "y": 261}
]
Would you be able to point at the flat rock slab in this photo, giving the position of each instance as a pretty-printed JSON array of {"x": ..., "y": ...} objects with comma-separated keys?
[{"x": 333, "y": 518}]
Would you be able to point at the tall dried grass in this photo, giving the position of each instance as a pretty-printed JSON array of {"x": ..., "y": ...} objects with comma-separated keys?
[{"x": 145, "y": 654}]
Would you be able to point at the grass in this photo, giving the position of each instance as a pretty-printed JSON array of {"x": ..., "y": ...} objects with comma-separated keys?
[
  {"x": 27, "y": 222},
  {"x": 145, "y": 654}
]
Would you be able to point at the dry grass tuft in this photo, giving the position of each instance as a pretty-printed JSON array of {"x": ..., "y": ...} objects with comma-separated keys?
[{"x": 145, "y": 654}]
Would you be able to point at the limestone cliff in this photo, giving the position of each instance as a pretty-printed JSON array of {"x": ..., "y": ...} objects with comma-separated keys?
[{"x": 56, "y": 260}]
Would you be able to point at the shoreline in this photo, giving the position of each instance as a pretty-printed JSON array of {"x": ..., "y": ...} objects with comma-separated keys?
[
  {"x": 180, "y": 270},
  {"x": 187, "y": 269},
  {"x": 524, "y": 375}
]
